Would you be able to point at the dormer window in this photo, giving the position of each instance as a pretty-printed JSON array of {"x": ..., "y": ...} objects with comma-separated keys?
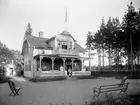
[{"x": 64, "y": 47}]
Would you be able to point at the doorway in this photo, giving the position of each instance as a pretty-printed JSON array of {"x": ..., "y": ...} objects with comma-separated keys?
[
  {"x": 67, "y": 69},
  {"x": 68, "y": 66}
]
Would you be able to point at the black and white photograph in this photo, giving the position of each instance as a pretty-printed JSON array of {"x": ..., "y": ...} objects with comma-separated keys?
[{"x": 69, "y": 52}]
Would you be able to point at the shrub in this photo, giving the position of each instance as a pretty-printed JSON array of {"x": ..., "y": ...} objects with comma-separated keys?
[
  {"x": 120, "y": 74},
  {"x": 2, "y": 73},
  {"x": 132, "y": 99}
]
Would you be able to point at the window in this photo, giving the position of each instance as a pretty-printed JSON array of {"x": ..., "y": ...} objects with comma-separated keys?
[
  {"x": 26, "y": 66},
  {"x": 64, "y": 46},
  {"x": 29, "y": 65},
  {"x": 38, "y": 64},
  {"x": 43, "y": 52}
]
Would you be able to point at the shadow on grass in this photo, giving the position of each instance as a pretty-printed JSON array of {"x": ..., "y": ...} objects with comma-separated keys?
[
  {"x": 47, "y": 79},
  {"x": 86, "y": 77},
  {"x": 59, "y": 78}
]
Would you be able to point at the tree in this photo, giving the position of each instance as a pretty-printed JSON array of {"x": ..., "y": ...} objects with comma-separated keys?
[
  {"x": 18, "y": 61},
  {"x": 109, "y": 38},
  {"x": 28, "y": 30},
  {"x": 5, "y": 58},
  {"x": 115, "y": 41},
  {"x": 5, "y": 54},
  {"x": 97, "y": 46},
  {"x": 129, "y": 26},
  {"x": 102, "y": 36},
  {"x": 119, "y": 40},
  {"x": 89, "y": 43}
]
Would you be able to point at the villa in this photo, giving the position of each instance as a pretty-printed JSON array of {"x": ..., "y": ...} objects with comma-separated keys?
[{"x": 45, "y": 56}]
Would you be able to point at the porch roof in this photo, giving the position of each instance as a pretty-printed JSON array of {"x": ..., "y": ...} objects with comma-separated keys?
[
  {"x": 44, "y": 55},
  {"x": 62, "y": 56},
  {"x": 58, "y": 56}
]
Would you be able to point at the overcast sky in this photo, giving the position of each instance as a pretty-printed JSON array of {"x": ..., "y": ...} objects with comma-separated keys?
[{"x": 49, "y": 16}]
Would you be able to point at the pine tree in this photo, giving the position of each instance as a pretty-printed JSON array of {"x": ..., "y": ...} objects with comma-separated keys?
[
  {"x": 89, "y": 43},
  {"x": 102, "y": 34},
  {"x": 129, "y": 27},
  {"x": 28, "y": 30}
]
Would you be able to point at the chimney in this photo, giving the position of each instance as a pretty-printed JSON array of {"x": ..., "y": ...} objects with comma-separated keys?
[{"x": 41, "y": 34}]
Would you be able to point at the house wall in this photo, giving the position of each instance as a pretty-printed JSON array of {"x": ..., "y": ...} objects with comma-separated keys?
[
  {"x": 28, "y": 59},
  {"x": 51, "y": 73},
  {"x": 63, "y": 38},
  {"x": 28, "y": 65}
]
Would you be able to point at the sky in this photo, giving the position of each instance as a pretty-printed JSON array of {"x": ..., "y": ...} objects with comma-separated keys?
[{"x": 49, "y": 16}]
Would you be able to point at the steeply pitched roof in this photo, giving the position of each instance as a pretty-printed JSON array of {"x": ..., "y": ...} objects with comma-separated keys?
[
  {"x": 65, "y": 32},
  {"x": 38, "y": 42},
  {"x": 52, "y": 38},
  {"x": 79, "y": 48},
  {"x": 41, "y": 43}
]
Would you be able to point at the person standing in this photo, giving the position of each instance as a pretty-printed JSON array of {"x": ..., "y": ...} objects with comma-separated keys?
[
  {"x": 70, "y": 72},
  {"x": 61, "y": 68}
]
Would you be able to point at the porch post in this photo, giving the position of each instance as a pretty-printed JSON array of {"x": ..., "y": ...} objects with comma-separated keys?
[
  {"x": 72, "y": 63},
  {"x": 64, "y": 63},
  {"x": 34, "y": 68},
  {"x": 52, "y": 62},
  {"x": 82, "y": 64},
  {"x": 41, "y": 57}
]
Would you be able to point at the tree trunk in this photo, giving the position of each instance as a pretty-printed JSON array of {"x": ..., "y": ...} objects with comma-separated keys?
[
  {"x": 138, "y": 60},
  {"x": 119, "y": 58},
  {"x": 89, "y": 61},
  {"x": 109, "y": 57},
  {"x": 103, "y": 56},
  {"x": 99, "y": 58},
  {"x": 116, "y": 59},
  {"x": 131, "y": 51},
  {"x": 128, "y": 60}
]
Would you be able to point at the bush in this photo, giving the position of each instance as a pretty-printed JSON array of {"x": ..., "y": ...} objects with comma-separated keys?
[
  {"x": 2, "y": 73},
  {"x": 19, "y": 73},
  {"x": 132, "y": 99},
  {"x": 119, "y": 75}
]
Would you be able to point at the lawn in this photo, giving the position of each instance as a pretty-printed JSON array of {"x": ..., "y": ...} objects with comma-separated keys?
[{"x": 75, "y": 91}]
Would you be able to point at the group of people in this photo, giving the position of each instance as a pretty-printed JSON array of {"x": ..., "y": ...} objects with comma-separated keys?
[{"x": 68, "y": 71}]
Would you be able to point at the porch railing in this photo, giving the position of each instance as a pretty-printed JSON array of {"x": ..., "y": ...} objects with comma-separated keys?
[{"x": 68, "y": 52}]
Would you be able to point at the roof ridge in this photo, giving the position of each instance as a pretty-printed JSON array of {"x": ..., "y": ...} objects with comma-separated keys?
[{"x": 37, "y": 37}]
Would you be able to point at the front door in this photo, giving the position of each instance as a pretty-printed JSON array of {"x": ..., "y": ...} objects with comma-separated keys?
[{"x": 68, "y": 67}]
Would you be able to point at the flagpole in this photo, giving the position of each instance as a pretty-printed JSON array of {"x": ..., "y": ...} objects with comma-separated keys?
[{"x": 66, "y": 18}]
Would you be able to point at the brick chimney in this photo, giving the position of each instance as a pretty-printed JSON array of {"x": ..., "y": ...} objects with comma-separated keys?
[{"x": 41, "y": 34}]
